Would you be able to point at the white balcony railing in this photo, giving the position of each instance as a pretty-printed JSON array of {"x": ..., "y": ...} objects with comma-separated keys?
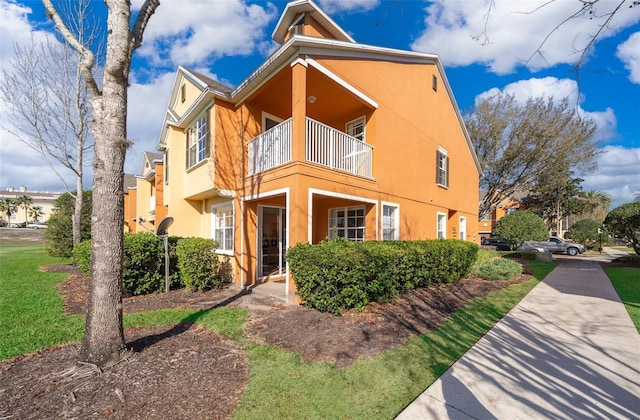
[
  {"x": 324, "y": 145},
  {"x": 270, "y": 149},
  {"x": 330, "y": 147}
]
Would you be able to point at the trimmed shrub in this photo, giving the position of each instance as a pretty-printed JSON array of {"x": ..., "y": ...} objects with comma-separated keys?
[
  {"x": 143, "y": 269},
  {"x": 143, "y": 264},
  {"x": 586, "y": 232},
  {"x": 500, "y": 269},
  {"x": 199, "y": 265},
  {"x": 82, "y": 255},
  {"x": 336, "y": 275},
  {"x": 521, "y": 226}
]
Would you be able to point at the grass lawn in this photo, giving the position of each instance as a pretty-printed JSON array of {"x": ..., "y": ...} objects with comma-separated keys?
[
  {"x": 281, "y": 384},
  {"x": 626, "y": 281}
]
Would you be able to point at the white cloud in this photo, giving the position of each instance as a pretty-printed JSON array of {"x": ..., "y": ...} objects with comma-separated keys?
[
  {"x": 505, "y": 34},
  {"x": 618, "y": 174},
  {"x": 146, "y": 111},
  {"x": 192, "y": 32},
  {"x": 336, "y": 6},
  {"x": 558, "y": 89},
  {"x": 629, "y": 53}
]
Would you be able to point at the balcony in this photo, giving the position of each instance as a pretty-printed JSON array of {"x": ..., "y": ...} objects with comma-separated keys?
[{"x": 324, "y": 146}]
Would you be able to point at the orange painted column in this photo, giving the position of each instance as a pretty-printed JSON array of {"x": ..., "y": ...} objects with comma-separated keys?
[{"x": 298, "y": 194}]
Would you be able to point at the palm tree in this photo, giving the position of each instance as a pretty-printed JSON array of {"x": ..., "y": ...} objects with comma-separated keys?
[
  {"x": 25, "y": 202},
  {"x": 600, "y": 201},
  {"x": 8, "y": 207},
  {"x": 35, "y": 212},
  {"x": 636, "y": 196}
]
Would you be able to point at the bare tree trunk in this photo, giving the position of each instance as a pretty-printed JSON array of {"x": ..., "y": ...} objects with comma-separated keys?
[{"x": 103, "y": 334}]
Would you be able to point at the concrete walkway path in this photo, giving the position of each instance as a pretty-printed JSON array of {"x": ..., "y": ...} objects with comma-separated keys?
[{"x": 568, "y": 350}]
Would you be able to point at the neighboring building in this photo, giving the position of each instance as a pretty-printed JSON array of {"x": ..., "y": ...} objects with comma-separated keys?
[
  {"x": 41, "y": 199},
  {"x": 327, "y": 138},
  {"x": 130, "y": 208},
  {"x": 507, "y": 205},
  {"x": 144, "y": 197}
]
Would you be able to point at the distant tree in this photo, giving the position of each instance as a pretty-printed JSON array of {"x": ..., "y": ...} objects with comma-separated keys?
[
  {"x": 8, "y": 207},
  {"x": 103, "y": 340},
  {"x": 25, "y": 202},
  {"x": 555, "y": 196},
  {"x": 517, "y": 143},
  {"x": 597, "y": 205},
  {"x": 521, "y": 226},
  {"x": 586, "y": 231},
  {"x": 47, "y": 102},
  {"x": 35, "y": 213},
  {"x": 58, "y": 236},
  {"x": 624, "y": 222},
  {"x": 636, "y": 197}
]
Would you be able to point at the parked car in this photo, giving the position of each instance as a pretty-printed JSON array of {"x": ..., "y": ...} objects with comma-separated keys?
[
  {"x": 554, "y": 245},
  {"x": 36, "y": 225},
  {"x": 499, "y": 243}
]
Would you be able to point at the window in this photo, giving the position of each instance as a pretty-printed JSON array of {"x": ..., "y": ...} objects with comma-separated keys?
[
  {"x": 222, "y": 226},
  {"x": 434, "y": 82},
  {"x": 347, "y": 223},
  {"x": 356, "y": 128},
  {"x": 197, "y": 141},
  {"x": 441, "y": 226},
  {"x": 463, "y": 228},
  {"x": 442, "y": 168},
  {"x": 390, "y": 222},
  {"x": 183, "y": 93},
  {"x": 166, "y": 167}
]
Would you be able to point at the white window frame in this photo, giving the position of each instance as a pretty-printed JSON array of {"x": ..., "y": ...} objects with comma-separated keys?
[
  {"x": 442, "y": 168},
  {"x": 390, "y": 222},
  {"x": 266, "y": 116},
  {"x": 462, "y": 225},
  {"x": 351, "y": 128},
  {"x": 441, "y": 225},
  {"x": 198, "y": 140},
  {"x": 224, "y": 225},
  {"x": 339, "y": 224}
]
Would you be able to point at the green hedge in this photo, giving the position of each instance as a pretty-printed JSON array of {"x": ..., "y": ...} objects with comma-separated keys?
[
  {"x": 200, "y": 267},
  {"x": 336, "y": 275},
  {"x": 144, "y": 259}
]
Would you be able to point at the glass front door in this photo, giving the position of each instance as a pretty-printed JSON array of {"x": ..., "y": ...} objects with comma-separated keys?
[{"x": 272, "y": 237}]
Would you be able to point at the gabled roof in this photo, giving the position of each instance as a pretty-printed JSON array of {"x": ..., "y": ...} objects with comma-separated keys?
[
  {"x": 148, "y": 168},
  {"x": 291, "y": 14},
  {"x": 297, "y": 47}
]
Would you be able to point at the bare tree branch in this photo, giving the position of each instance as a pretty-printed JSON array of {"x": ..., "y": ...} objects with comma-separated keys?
[{"x": 88, "y": 59}]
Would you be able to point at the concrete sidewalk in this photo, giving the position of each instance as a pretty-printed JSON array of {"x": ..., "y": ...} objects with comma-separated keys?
[{"x": 568, "y": 350}]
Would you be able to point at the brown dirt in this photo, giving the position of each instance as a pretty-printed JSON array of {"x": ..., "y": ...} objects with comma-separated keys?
[{"x": 185, "y": 371}]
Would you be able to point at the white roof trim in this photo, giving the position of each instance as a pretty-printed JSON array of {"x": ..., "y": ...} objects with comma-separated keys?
[
  {"x": 295, "y": 8},
  {"x": 340, "y": 81}
]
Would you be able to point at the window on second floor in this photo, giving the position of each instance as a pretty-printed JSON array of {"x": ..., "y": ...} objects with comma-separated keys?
[
  {"x": 356, "y": 128},
  {"x": 442, "y": 168},
  {"x": 166, "y": 166},
  {"x": 198, "y": 141}
]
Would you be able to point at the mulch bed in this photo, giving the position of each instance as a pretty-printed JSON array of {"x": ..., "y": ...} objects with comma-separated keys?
[{"x": 185, "y": 371}]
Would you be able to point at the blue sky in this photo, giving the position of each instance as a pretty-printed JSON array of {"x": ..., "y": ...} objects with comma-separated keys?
[{"x": 485, "y": 47}]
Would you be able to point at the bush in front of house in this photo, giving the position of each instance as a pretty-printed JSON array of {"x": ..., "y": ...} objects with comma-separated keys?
[
  {"x": 143, "y": 269},
  {"x": 200, "y": 267},
  {"x": 499, "y": 269},
  {"x": 336, "y": 275}
]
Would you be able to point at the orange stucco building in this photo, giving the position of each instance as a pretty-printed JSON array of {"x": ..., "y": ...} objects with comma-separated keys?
[
  {"x": 144, "y": 206},
  {"x": 327, "y": 138}
]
